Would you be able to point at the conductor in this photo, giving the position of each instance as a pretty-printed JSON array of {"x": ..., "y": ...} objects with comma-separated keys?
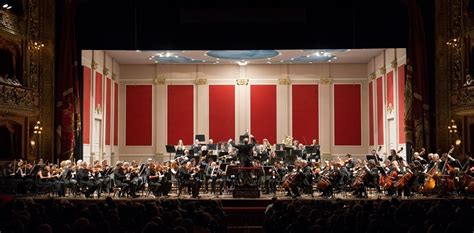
[{"x": 245, "y": 150}]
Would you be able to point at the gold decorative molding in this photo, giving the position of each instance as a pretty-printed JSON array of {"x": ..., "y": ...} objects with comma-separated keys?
[
  {"x": 242, "y": 82},
  {"x": 200, "y": 81},
  {"x": 159, "y": 81},
  {"x": 326, "y": 80},
  {"x": 394, "y": 64},
  {"x": 389, "y": 108},
  {"x": 114, "y": 76},
  {"x": 284, "y": 81},
  {"x": 94, "y": 65},
  {"x": 382, "y": 70},
  {"x": 106, "y": 71},
  {"x": 372, "y": 76},
  {"x": 98, "y": 109}
]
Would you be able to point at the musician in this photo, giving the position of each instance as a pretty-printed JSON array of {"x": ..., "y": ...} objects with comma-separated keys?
[
  {"x": 65, "y": 180},
  {"x": 272, "y": 181},
  {"x": 46, "y": 181},
  {"x": 325, "y": 179},
  {"x": 262, "y": 154},
  {"x": 393, "y": 172},
  {"x": 82, "y": 176},
  {"x": 154, "y": 178},
  {"x": 216, "y": 178},
  {"x": 245, "y": 150},
  {"x": 195, "y": 182},
  {"x": 394, "y": 156},
  {"x": 418, "y": 157},
  {"x": 122, "y": 179},
  {"x": 180, "y": 148},
  {"x": 196, "y": 146},
  {"x": 349, "y": 163},
  {"x": 183, "y": 176},
  {"x": 266, "y": 144},
  {"x": 133, "y": 178},
  {"x": 378, "y": 159}
]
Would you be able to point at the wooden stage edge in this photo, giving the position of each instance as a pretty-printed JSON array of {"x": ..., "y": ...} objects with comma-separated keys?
[{"x": 228, "y": 200}]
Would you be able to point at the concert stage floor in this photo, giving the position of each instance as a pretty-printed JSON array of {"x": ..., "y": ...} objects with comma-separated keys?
[{"x": 265, "y": 198}]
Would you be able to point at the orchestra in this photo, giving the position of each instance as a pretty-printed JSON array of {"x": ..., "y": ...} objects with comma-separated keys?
[{"x": 211, "y": 171}]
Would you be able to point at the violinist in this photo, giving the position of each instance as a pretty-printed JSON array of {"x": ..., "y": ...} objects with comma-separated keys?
[
  {"x": 83, "y": 179},
  {"x": 65, "y": 180},
  {"x": 154, "y": 177},
  {"x": 131, "y": 178},
  {"x": 46, "y": 182},
  {"x": 120, "y": 179}
]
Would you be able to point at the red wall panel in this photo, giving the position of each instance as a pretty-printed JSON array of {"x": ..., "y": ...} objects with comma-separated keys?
[
  {"x": 221, "y": 112},
  {"x": 371, "y": 114},
  {"x": 108, "y": 98},
  {"x": 390, "y": 100},
  {"x": 116, "y": 100},
  {"x": 98, "y": 90},
  {"x": 401, "y": 104},
  {"x": 86, "y": 119},
  {"x": 380, "y": 116},
  {"x": 180, "y": 114},
  {"x": 263, "y": 112},
  {"x": 305, "y": 118},
  {"x": 347, "y": 114},
  {"x": 138, "y": 116}
]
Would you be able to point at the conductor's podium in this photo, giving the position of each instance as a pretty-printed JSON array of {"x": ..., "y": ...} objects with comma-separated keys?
[{"x": 247, "y": 181}]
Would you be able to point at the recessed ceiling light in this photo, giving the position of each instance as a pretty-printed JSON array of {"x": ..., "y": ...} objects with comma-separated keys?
[
  {"x": 9, "y": 7},
  {"x": 308, "y": 55},
  {"x": 269, "y": 58},
  {"x": 334, "y": 58},
  {"x": 192, "y": 59},
  {"x": 310, "y": 62},
  {"x": 269, "y": 62},
  {"x": 348, "y": 50},
  {"x": 218, "y": 59},
  {"x": 292, "y": 58},
  {"x": 137, "y": 50},
  {"x": 5, "y": 5},
  {"x": 150, "y": 58},
  {"x": 242, "y": 63}
]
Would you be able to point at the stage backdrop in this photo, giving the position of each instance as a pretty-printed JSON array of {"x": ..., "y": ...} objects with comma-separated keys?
[{"x": 305, "y": 101}]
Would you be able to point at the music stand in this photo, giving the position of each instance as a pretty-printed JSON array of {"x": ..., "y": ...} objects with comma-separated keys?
[
  {"x": 211, "y": 146},
  {"x": 280, "y": 154},
  {"x": 200, "y": 137},
  {"x": 296, "y": 153},
  {"x": 369, "y": 157},
  {"x": 170, "y": 149},
  {"x": 280, "y": 147}
]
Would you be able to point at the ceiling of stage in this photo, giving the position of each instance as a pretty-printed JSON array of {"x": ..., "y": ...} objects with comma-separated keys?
[{"x": 243, "y": 57}]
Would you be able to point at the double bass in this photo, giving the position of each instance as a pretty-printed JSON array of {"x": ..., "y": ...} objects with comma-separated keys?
[{"x": 447, "y": 181}]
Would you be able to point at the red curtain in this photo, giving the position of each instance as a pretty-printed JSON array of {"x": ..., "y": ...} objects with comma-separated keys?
[
  {"x": 305, "y": 113},
  {"x": 221, "y": 112},
  {"x": 347, "y": 115},
  {"x": 67, "y": 112},
  {"x": 263, "y": 112}
]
